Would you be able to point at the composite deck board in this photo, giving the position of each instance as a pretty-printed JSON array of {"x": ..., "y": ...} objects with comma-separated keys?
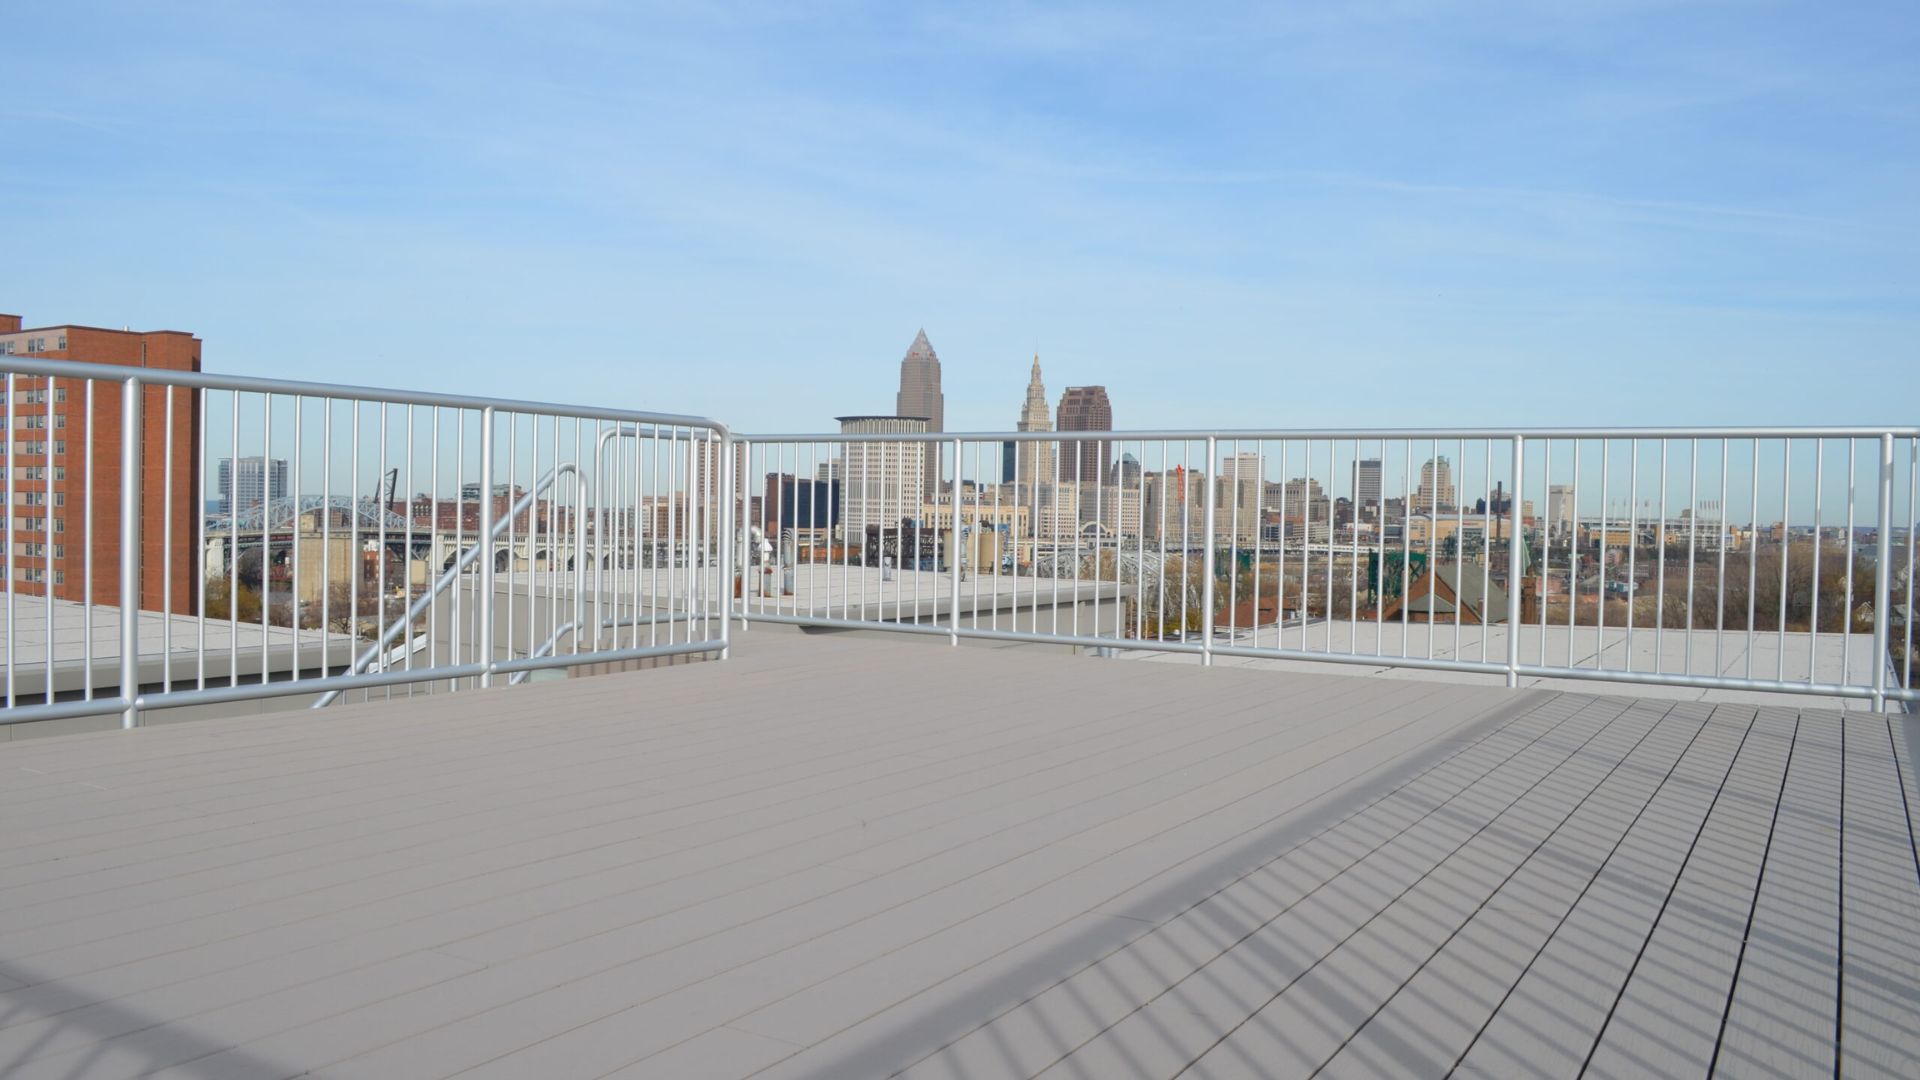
[
  {"x": 1880, "y": 909},
  {"x": 1168, "y": 834},
  {"x": 1235, "y": 985},
  {"x": 1905, "y": 733},
  {"x": 838, "y": 857},
  {"x": 1431, "y": 1020},
  {"x": 705, "y": 852},
  {"x": 1783, "y": 1017},
  {"x": 1019, "y": 854},
  {"x": 1555, "y": 1011},
  {"x": 1046, "y": 1026},
  {"x": 1306, "y": 1023}
]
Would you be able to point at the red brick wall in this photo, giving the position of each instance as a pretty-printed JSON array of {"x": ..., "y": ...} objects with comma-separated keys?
[{"x": 98, "y": 430}]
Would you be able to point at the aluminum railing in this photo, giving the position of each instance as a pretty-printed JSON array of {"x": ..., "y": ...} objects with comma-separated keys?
[
  {"x": 180, "y": 539},
  {"x": 1765, "y": 559},
  {"x": 185, "y": 539}
]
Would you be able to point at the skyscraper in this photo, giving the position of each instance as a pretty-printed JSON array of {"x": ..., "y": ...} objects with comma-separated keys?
[
  {"x": 881, "y": 483},
  {"x": 244, "y": 484},
  {"x": 1085, "y": 408},
  {"x": 1366, "y": 487},
  {"x": 1237, "y": 492},
  {"x": 1035, "y": 463},
  {"x": 920, "y": 395},
  {"x": 1436, "y": 487}
]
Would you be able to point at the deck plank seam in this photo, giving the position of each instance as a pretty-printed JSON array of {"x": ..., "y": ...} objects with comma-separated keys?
[
  {"x": 1527, "y": 860},
  {"x": 1705, "y": 816},
  {"x": 1399, "y": 792},
  {"x": 1221, "y": 1039},
  {"x": 1726, "y": 1009},
  {"x": 1328, "y": 878}
]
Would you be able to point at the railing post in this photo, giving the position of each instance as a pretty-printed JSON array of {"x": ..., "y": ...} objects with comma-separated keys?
[
  {"x": 580, "y": 510},
  {"x": 1206, "y": 582},
  {"x": 1513, "y": 564},
  {"x": 1882, "y": 573},
  {"x": 727, "y": 571},
  {"x": 954, "y": 556},
  {"x": 485, "y": 607},
  {"x": 744, "y": 554},
  {"x": 130, "y": 402}
]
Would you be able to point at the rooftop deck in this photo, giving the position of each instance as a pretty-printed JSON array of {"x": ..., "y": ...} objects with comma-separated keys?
[{"x": 831, "y": 857}]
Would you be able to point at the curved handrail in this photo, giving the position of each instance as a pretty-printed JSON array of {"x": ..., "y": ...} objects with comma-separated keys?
[{"x": 453, "y": 573}]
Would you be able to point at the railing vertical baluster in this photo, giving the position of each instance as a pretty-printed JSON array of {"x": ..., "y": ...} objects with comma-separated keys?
[
  {"x": 12, "y": 546},
  {"x": 723, "y": 579},
  {"x": 1846, "y": 611},
  {"x": 1913, "y": 548},
  {"x": 1206, "y": 582},
  {"x": 1573, "y": 550},
  {"x": 1693, "y": 535},
  {"x": 1487, "y": 510},
  {"x": 166, "y": 543},
  {"x": 1513, "y": 564},
  {"x": 293, "y": 532},
  {"x": 1786, "y": 555},
  {"x": 1753, "y": 550},
  {"x": 92, "y": 553},
  {"x": 130, "y": 416},
  {"x": 485, "y": 537},
  {"x": 327, "y": 535},
  {"x": 1720, "y": 573},
  {"x": 266, "y": 536},
  {"x": 1544, "y": 521},
  {"x": 1813, "y": 607},
  {"x": 955, "y": 554},
  {"x": 1882, "y": 574},
  {"x": 1600, "y": 601}
]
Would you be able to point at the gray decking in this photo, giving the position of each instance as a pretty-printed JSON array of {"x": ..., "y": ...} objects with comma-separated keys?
[{"x": 832, "y": 857}]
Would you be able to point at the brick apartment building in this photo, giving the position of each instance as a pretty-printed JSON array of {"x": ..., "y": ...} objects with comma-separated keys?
[{"x": 45, "y": 455}]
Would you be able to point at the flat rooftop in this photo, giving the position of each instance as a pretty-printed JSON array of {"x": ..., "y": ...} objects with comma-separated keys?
[
  {"x": 836, "y": 857},
  {"x": 1829, "y": 658},
  {"x": 85, "y": 649}
]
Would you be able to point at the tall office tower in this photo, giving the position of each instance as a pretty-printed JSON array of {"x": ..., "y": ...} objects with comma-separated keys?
[
  {"x": 706, "y": 489},
  {"x": 1237, "y": 494},
  {"x": 920, "y": 396},
  {"x": 1035, "y": 463},
  {"x": 55, "y": 440},
  {"x": 1173, "y": 507},
  {"x": 1366, "y": 487},
  {"x": 245, "y": 484},
  {"x": 1560, "y": 508},
  {"x": 1085, "y": 408},
  {"x": 1436, "y": 487},
  {"x": 881, "y": 481}
]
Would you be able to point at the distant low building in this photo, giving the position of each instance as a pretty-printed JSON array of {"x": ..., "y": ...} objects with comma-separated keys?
[{"x": 1441, "y": 591}]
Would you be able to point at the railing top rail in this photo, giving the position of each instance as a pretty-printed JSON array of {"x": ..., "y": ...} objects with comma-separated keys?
[
  {"x": 70, "y": 369},
  {"x": 1177, "y": 435}
]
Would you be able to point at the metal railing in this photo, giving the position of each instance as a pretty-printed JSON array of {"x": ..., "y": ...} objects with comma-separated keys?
[
  {"x": 1765, "y": 559},
  {"x": 178, "y": 539},
  {"x": 181, "y": 539}
]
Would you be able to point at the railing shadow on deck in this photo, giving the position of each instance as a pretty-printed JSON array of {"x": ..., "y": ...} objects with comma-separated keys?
[
  {"x": 887, "y": 1053},
  {"x": 167, "y": 1044}
]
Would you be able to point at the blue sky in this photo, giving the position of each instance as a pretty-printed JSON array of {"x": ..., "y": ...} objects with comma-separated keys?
[{"x": 1273, "y": 215}]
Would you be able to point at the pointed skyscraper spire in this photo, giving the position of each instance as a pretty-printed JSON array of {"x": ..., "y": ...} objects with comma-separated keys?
[
  {"x": 1035, "y": 458},
  {"x": 920, "y": 395}
]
